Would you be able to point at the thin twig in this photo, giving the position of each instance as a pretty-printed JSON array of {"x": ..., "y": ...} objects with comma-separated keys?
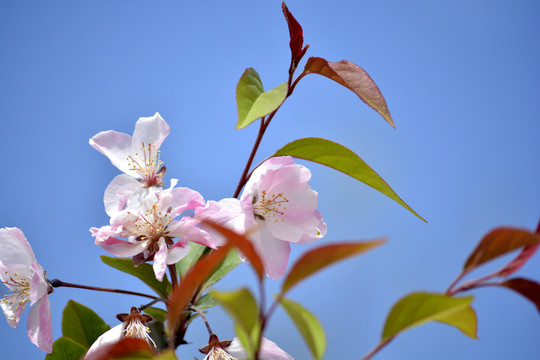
[
  {"x": 201, "y": 313},
  {"x": 58, "y": 283}
]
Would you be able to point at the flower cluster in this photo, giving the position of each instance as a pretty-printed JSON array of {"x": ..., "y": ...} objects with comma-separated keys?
[{"x": 277, "y": 207}]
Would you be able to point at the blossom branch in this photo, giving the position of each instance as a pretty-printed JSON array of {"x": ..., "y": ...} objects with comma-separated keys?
[{"x": 58, "y": 283}]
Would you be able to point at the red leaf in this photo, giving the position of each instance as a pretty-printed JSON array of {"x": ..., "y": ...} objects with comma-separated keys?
[
  {"x": 242, "y": 244},
  {"x": 528, "y": 288},
  {"x": 194, "y": 278},
  {"x": 297, "y": 37},
  {"x": 124, "y": 347},
  {"x": 499, "y": 242},
  {"x": 354, "y": 78},
  {"x": 518, "y": 262},
  {"x": 321, "y": 257}
]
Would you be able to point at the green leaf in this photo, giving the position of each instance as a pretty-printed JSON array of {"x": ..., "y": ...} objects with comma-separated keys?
[
  {"x": 499, "y": 242},
  {"x": 206, "y": 301},
  {"x": 319, "y": 258},
  {"x": 419, "y": 308},
  {"x": 66, "y": 349},
  {"x": 231, "y": 261},
  {"x": 144, "y": 272},
  {"x": 308, "y": 325},
  {"x": 339, "y": 157},
  {"x": 168, "y": 355},
  {"x": 251, "y": 100},
  {"x": 241, "y": 305},
  {"x": 354, "y": 78},
  {"x": 157, "y": 313},
  {"x": 195, "y": 252},
  {"x": 81, "y": 324}
]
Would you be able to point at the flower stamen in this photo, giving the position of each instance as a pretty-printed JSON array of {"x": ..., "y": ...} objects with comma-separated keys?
[{"x": 270, "y": 207}]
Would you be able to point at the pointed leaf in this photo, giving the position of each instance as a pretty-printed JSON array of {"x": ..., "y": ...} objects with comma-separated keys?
[
  {"x": 240, "y": 305},
  {"x": 251, "y": 100},
  {"x": 195, "y": 252},
  {"x": 297, "y": 37},
  {"x": 206, "y": 301},
  {"x": 81, "y": 324},
  {"x": 193, "y": 280},
  {"x": 339, "y": 157},
  {"x": 519, "y": 261},
  {"x": 419, "y": 308},
  {"x": 231, "y": 261},
  {"x": 157, "y": 313},
  {"x": 144, "y": 272},
  {"x": 319, "y": 258},
  {"x": 308, "y": 325},
  {"x": 528, "y": 288},
  {"x": 66, "y": 349},
  {"x": 354, "y": 78},
  {"x": 499, "y": 242}
]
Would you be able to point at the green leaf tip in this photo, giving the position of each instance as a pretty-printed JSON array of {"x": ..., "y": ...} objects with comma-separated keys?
[{"x": 338, "y": 157}]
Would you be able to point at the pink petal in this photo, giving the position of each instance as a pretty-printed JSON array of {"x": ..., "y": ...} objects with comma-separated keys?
[
  {"x": 146, "y": 128},
  {"x": 123, "y": 248},
  {"x": 269, "y": 351},
  {"x": 116, "y": 146},
  {"x": 177, "y": 252},
  {"x": 185, "y": 199},
  {"x": 39, "y": 327},
  {"x": 12, "y": 313},
  {"x": 160, "y": 260},
  {"x": 187, "y": 230},
  {"x": 123, "y": 191},
  {"x": 14, "y": 248},
  {"x": 38, "y": 285},
  {"x": 273, "y": 252}
]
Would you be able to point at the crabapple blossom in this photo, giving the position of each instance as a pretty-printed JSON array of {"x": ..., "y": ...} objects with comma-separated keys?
[
  {"x": 21, "y": 273},
  {"x": 151, "y": 228},
  {"x": 137, "y": 156},
  {"x": 133, "y": 326},
  {"x": 277, "y": 207}
]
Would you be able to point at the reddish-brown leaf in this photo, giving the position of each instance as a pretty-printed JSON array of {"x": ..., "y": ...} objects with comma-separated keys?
[
  {"x": 528, "y": 288},
  {"x": 297, "y": 36},
  {"x": 499, "y": 242},
  {"x": 354, "y": 78},
  {"x": 319, "y": 258},
  {"x": 124, "y": 347},
  {"x": 242, "y": 244},
  {"x": 519, "y": 261},
  {"x": 194, "y": 278}
]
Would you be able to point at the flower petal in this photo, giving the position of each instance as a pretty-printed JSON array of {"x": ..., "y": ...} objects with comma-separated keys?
[
  {"x": 14, "y": 248},
  {"x": 273, "y": 252},
  {"x": 117, "y": 147},
  {"x": 122, "y": 248},
  {"x": 177, "y": 252},
  {"x": 39, "y": 326},
  {"x": 269, "y": 351},
  {"x": 111, "y": 336},
  {"x": 39, "y": 285},
  {"x": 160, "y": 260},
  {"x": 146, "y": 128}
]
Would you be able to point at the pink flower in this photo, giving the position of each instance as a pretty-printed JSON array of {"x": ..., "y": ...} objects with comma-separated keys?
[
  {"x": 137, "y": 155},
  {"x": 21, "y": 273},
  {"x": 235, "y": 351},
  {"x": 151, "y": 228},
  {"x": 277, "y": 208}
]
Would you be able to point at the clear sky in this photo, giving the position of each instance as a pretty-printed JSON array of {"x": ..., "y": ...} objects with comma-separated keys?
[{"x": 462, "y": 82}]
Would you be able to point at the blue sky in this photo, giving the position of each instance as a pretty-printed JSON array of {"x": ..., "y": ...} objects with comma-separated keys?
[{"x": 461, "y": 80}]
